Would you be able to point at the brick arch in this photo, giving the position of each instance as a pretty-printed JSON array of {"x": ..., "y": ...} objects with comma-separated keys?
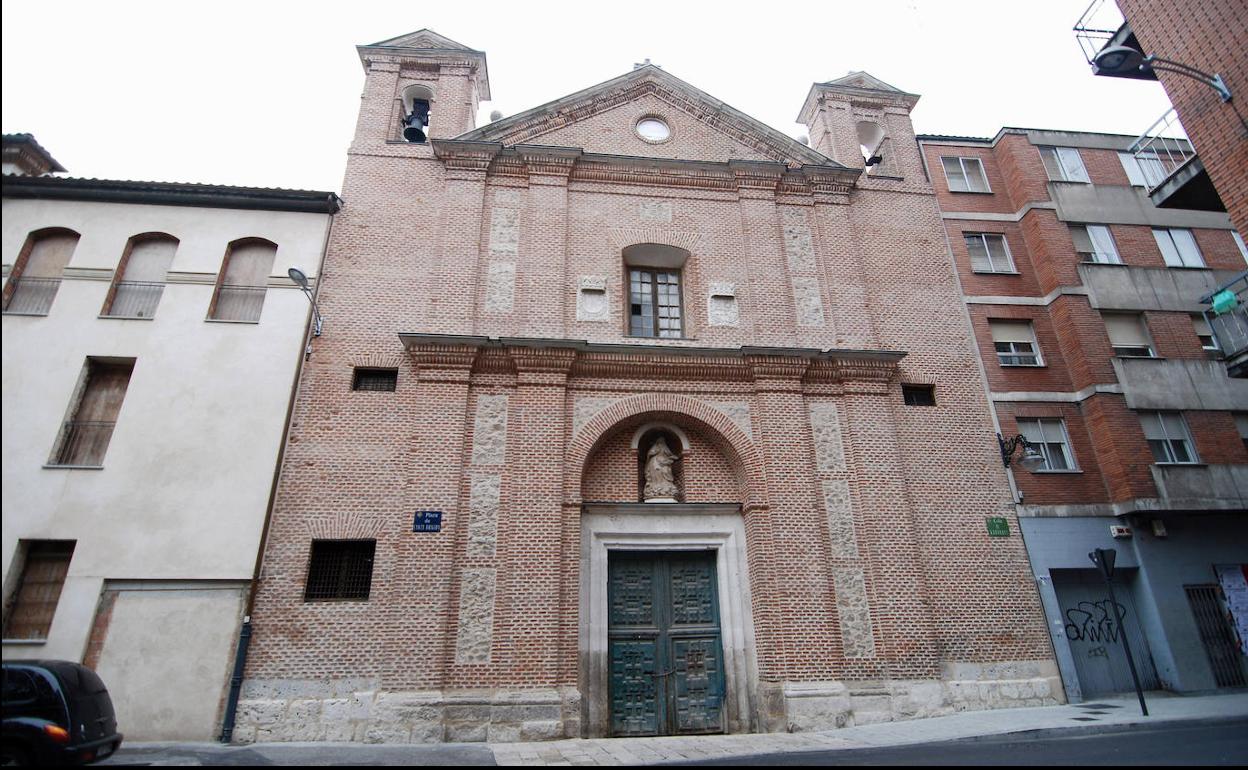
[{"x": 742, "y": 454}]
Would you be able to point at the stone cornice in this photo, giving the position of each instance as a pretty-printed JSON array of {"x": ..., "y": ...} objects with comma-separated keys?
[
  {"x": 785, "y": 368},
  {"x": 469, "y": 156},
  {"x": 550, "y": 161}
]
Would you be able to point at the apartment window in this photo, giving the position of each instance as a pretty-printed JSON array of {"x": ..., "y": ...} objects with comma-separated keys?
[
  {"x": 989, "y": 253},
  {"x": 1063, "y": 164},
  {"x": 1239, "y": 241},
  {"x": 37, "y": 271},
  {"x": 965, "y": 175},
  {"x": 378, "y": 380},
  {"x": 918, "y": 395},
  {"x": 140, "y": 279},
  {"x": 1015, "y": 342},
  {"x": 44, "y": 565},
  {"x": 240, "y": 292},
  {"x": 340, "y": 570},
  {"x": 1051, "y": 439},
  {"x": 1241, "y": 422},
  {"x": 1204, "y": 333},
  {"x": 1128, "y": 334},
  {"x": 1144, "y": 169},
  {"x": 85, "y": 435},
  {"x": 1094, "y": 243},
  {"x": 1178, "y": 247},
  {"x": 654, "y": 303},
  {"x": 1168, "y": 437}
]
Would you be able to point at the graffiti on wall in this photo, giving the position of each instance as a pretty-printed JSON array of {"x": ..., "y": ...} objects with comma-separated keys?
[{"x": 1091, "y": 622}]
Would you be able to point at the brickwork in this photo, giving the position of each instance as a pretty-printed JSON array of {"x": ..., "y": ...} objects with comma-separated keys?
[{"x": 1207, "y": 36}]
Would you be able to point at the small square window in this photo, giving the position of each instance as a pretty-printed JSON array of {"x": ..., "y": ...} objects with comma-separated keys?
[
  {"x": 1063, "y": 164},
  {"x": 1168, "y": 438},
  {"x": 1015, "y": 343},
  {"x": 1094, "y": 243},
  {"x": 1128, "y": 335},
  {"x": 340, "y": 569},
  {"x": 919, "y": 395},
  {"x": 1050, "y": 437},
  {"x": 965, "y": 175},
  {"x": 379, "y": 380},
  {"x": 989, "y": 253}
]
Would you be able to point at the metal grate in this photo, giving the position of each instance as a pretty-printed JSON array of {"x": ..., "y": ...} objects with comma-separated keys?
[
  {"x": 238, "y": 303},
  {"x": 84, "y": 442},
  {"x": 340, "y": 569},
  {"x": 381, "y": 380},
  {"x": 919, "y": 395},
  {"x": 135, "y": 299},
  {"x": 1216, "y": 635},
  {"x": 32, "y": 296}
]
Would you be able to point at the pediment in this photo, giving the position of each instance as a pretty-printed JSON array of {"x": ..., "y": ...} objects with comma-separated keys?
[
  {"x": 422, "y": 38},
  {"x": 863, "y": 80},
  {"x": 601, "y": 119}
]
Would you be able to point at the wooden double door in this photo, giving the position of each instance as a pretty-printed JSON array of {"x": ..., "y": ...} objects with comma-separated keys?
[{"x": 664, "y": 643}]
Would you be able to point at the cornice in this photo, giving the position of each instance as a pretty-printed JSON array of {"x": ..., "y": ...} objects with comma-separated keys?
[
  {"x": 549, "y": 361},
  {"x": 469, "y": 156}
]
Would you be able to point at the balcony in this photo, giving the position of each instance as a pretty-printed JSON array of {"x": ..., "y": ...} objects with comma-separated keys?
[
  {"x": 1200, "y": 487},
  {"x": 1227, "y": 314},
  {"x": 1175, "y": 175},
  {"x": 1102, "y": 26}
]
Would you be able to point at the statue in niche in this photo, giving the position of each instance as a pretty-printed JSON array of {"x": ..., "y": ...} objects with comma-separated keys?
[{"x": 660, "y": 477}]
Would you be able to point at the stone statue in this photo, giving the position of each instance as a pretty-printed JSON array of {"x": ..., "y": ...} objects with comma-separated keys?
[{"x": 660, "y": 480}]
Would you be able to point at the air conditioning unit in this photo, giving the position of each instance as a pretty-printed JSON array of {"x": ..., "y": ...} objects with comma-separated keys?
[{"x": 1120, "y": 532}]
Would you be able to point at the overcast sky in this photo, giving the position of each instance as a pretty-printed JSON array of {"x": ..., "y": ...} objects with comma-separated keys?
[{"x": 265, "y": 93}]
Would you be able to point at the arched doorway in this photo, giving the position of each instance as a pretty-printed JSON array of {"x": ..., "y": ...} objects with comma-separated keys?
[{"x": 666, "y": 634}]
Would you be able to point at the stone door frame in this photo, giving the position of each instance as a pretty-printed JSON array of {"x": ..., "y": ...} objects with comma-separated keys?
[{"x": 717, "y": 527}]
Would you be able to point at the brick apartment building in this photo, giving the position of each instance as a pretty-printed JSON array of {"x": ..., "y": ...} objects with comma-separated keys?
[
  {"x": 635, "y": 416},
  {"x": 1085, "y": 300}
]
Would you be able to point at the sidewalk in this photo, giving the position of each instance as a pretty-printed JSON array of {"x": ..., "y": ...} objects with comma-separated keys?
[{"x": 1098, "y": 716}]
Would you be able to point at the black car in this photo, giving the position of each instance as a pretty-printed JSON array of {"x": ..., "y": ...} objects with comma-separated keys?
[{"x": 56, "y": 713}]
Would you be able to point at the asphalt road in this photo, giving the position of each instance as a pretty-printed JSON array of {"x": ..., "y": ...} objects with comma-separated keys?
[{"x": 1221, "y": 743}]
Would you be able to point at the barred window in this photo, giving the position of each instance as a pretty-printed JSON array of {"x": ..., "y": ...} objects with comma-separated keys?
[
  {"x": 379, "y": 380},
  {"x": 45, "y": 563},
  {"x": 340, "y": 569},
  {"x": 918, "y": 395}
]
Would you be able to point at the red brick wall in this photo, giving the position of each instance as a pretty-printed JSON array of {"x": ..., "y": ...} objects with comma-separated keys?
[{"x": 1208, "y": 36}]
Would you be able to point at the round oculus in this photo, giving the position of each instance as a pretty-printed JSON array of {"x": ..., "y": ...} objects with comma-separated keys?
[{"x": 653, "y": 129}]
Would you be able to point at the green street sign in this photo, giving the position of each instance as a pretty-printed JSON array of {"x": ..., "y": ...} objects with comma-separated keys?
[{"x": 998, "y": 526}]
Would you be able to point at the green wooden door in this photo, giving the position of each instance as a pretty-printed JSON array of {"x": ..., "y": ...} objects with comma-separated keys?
[{"x": 664, "y": 645}]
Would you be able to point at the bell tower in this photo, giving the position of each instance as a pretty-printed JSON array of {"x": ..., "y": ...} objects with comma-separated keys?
[
  {"x": 861, "y": 121},
  {"x": 419, "y": 86}
]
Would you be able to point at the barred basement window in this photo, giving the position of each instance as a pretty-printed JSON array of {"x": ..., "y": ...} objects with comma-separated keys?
[
  {"x": 340, "y": 569},
  {"x": 919, "y": 395},
  {"x": 45, "y": 563},
  {"x": 382, "y": 380}
]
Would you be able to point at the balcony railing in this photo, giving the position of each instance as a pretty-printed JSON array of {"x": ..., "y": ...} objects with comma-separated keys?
[
  {"x": 1162, "y": 149},
  {"x": 83, "y": 442},
  {"x": 136, "y": 299},
  {"x": 1096, "y": 27},
  {"x": 239, "y": 303},
  {"x": 1230, "y": 327},
  {"x": 32, "y": 296}
]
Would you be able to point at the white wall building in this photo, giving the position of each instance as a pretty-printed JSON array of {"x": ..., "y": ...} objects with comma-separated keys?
[{"x": 151, "y": 343}]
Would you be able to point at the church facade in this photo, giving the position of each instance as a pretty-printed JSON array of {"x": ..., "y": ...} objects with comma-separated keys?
[{"x": 634, "y": 416}]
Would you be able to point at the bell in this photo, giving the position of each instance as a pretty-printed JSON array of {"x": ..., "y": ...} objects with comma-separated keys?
[{"x": 415, "y": 123}]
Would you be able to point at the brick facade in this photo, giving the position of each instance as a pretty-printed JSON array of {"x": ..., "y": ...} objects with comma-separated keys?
[{"x": 477, "y": 267}]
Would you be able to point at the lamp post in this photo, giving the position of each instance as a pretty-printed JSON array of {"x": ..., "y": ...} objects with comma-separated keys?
[
  {"x": 1120, "y": 59},
  {"x": 301, "y": 280},
  {"x": 1031, "y": 459},
  {"x": 1103, "y": 558}
]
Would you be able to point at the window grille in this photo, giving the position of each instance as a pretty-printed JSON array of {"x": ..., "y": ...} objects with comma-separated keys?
[
  {"x": 340, "y": 569},
  {"x": 379, "y": 380}
]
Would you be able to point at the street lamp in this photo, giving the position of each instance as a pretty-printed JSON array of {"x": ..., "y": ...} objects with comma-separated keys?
[
  {"x": 1121, "y": 59},
  {"x": 301, "y": 280},
  {"x": 1031, "y": 459}
]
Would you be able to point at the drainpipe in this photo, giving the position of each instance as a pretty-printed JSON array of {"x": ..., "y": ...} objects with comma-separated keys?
[{"x": 333, "y": 204}]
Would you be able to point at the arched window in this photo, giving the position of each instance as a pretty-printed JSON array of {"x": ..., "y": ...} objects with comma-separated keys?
[
  {"x": 241, "y": 285},
  {"x": 37, "y": 272},
  {"x": 140, "y": 278},
  {"x": 655, "y": 296}
]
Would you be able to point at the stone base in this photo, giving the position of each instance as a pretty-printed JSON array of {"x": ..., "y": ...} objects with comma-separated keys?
[
  {"x": 357, "y": 710},
  {"x": 809, "y": 706}
]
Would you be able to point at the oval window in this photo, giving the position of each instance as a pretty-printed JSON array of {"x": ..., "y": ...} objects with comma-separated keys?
[{"x": 653, "y": 130}]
